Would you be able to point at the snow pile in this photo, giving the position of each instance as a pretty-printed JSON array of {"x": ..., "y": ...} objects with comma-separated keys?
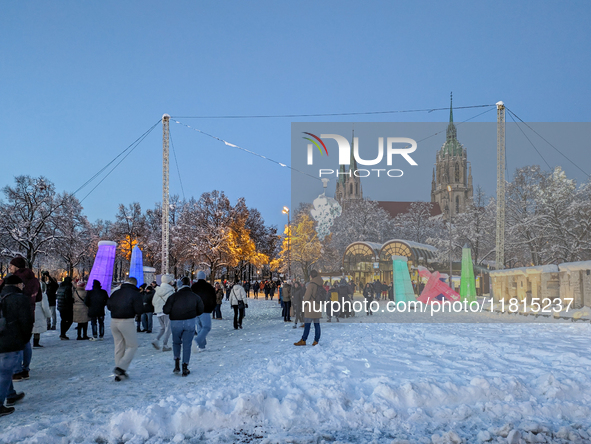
[{"x": 383, "y": 383}]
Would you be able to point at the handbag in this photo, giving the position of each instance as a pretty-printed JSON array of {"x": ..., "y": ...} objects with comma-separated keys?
[{"x": 242, "y": 305}]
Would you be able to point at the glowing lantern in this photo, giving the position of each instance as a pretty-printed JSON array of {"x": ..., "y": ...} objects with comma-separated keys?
[{"x": 102, "y": 269}]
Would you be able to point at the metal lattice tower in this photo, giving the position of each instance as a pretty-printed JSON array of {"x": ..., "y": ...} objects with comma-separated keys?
[
  {"x": 165, "y": 203},
  {"x": 500, "y": 246}
]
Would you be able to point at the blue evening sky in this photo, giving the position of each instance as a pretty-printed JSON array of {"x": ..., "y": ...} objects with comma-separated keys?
[{"x": 80, "y": 81}]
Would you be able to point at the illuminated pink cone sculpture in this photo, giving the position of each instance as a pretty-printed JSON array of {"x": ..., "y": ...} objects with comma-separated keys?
[{"x": 102, "y": 269}]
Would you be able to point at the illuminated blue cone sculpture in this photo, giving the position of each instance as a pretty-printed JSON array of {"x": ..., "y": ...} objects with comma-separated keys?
[
  {"x": 136, "y": 266},
  {"x": 401, "y": 277},
  {"x": 102, "y": 269}
]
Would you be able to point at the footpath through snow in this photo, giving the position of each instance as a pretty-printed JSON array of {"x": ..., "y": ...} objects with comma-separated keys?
[{"x": 365, "y": 382}]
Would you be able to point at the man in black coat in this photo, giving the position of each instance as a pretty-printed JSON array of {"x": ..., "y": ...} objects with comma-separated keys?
[
  {"x": 124, "y": 304},
  {"x": 206, "y": 292},
  {"x": 65, "y": 305},
  {"x": 16, "y": 327},
  {"x": 183, "y": 307},
  {"x": 96, "y": 301}
]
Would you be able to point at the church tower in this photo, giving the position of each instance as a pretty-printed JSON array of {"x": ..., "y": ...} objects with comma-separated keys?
[
  {"x": 349, "y": 185},
  {"x": 451, "y": 168}
]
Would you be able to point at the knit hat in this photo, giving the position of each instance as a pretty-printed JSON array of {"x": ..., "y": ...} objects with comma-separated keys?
[
  {"x": 12, "y": 280},
  {"x": 166, "y": 278},
  {"x": 201, "y": 275},
  {"x": 18, "y": 262}
]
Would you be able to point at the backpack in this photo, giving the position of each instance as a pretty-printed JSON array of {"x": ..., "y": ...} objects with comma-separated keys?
[
  {"x": 3, "y": 321},
  {"x": 321, "y": 294}
]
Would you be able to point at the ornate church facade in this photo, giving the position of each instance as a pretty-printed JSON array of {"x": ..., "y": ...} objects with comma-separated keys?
[
  {"x": 451, "y": 170},
  {"x": 452, "y": 175}
]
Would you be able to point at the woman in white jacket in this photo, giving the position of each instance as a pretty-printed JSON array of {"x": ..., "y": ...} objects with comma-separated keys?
[
  {"x": 238, "y": 303},
  {"x": 42, "y": 313},
  {"x": 163, "y": 292}
]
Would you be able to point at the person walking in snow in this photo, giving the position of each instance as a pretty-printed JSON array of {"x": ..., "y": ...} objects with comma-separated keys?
[
  {"x": 206, "y": 292},
  {"x": 286, "y": 295},
  {"x": 50, "y": 287},
  {"x": 161, "y": 295},
  {"x": 183, "y": 307},
  {"x": 368, "y": 295},
  {"x": 219, "y": 299},
  {"x": 238, "y": 303},
  {"x": 15, "y": 333},
  {"x": 312, "y": 309},
  {"x": 148, "y": 314},
  {"x": 42, "y": 314},
  {"x": 65, "y": 305},
  {"x": 96, "y": 301},
  {"x": 255, "y": 289},
  {"x": 297, "y": 296},
  {"x": 124, "y": 305},
  {"x": 80, "y": 312}
]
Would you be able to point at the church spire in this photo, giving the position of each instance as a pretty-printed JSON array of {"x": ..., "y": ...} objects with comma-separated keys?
[{"x": 451, "y": 128}]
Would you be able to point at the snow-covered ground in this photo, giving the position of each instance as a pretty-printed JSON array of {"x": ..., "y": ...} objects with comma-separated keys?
[{"x": 365, "y": 382}]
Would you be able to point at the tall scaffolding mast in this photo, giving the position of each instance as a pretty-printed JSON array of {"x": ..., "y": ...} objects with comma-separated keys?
[
  {"x": 165, "y": 203},
  {"x": 500, "y": 245}
]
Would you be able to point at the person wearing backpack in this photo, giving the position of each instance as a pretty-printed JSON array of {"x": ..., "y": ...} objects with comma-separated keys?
[
  {"x": 312, "y": 308},
  {"x": 16, "y": 326}
]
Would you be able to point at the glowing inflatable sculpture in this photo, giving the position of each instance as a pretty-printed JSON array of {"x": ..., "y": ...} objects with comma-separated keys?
[
  {"x": 401, "y": 277},
  {"x": 325, "y": 211},
  {"x": 136, "y": 265},
  {"x": 102, "y": 269},
  {"x": 435, "y": 287},
  {"x": 467, "y": 283}
]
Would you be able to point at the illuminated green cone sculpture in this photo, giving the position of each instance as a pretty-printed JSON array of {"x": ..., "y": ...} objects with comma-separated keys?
[
  {"x": 467, "y": 283},
  {"x": 401, "y": 277}
]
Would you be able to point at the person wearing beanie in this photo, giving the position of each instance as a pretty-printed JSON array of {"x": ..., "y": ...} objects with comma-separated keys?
[
  {"x": 80, "y": 311},
  {"x": 219, "y": 299},
  {"x": 15, "y": 307},
  {"x": 32, "y": 289},
  {"x": 183, "y": 307},
  {"x": 206, "y": 292},
  {"x": 161, "y": 295}
]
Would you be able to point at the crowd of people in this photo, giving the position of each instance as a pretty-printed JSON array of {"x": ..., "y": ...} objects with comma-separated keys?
[{"x": 183, "y": 309}]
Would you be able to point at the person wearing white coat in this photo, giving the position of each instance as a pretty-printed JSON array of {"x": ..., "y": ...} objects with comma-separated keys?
[
  {"x": 161, "y": 295},
  {"x": 42, "y": 313},
  {"x": 238, "y": 303}
]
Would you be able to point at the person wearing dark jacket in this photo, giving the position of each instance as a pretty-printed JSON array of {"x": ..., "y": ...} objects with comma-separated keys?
[
  {"x": 148, "y": 315},
  {"x": 15, "y": 332},
  {"x": 219, "y": 299},
  {"x": 51, "y": 287},
  {"x": 65, "y": 305},
  {"x": 32, "y": 289},
  {"x": 124, "y": 304},
  {"x": 183, "y": 307},
  {"x": 206, "y": 292},
  {"x": 96, "y": 301}
]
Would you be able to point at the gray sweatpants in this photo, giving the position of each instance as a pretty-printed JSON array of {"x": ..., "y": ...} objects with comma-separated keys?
[
  {"x": 125, "y": 337},
  {"x": 164, "y": 328}
]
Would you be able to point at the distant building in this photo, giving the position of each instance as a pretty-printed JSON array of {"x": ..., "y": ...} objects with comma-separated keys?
[
  {"x": 348, "y": 185},
  {"x": 451, "y": 168}
]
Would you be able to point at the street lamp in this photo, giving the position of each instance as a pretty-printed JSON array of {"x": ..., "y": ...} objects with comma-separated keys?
[
  {"x": 450, "y": 262},
  {"x": 286, "y": 211}
]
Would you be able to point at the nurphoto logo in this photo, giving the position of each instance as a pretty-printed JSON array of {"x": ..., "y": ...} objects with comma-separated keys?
[{"x": 393, "y": 147}]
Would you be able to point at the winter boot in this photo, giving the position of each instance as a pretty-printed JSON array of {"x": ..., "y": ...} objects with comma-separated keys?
[
  {"x": 6, "y": 410},
  {"x": 186, "y": 370},
  {"x": 36, "y": 339},
  {"x": 14, "y": 399},
  {"x": 300, "y": 342},
  {"x": 20, "y": 376},
  {"x": 314, "y": 343},
  {"x": 177, "y": 368}
]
